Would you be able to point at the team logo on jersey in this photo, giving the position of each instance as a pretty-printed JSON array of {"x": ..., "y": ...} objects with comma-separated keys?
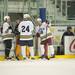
[{"x": 72, "y": 46}]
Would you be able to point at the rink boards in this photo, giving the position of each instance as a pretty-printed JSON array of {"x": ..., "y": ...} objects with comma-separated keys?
[{"x": 69, "y": 56}]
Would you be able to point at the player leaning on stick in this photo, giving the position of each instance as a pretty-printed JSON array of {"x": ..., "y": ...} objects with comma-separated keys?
[
  {"x": 26, "y": 35},
  {"x": 37, "y": 30},
  {"x": 46, "y": 40},
  {"x": 7, "y": 36}
]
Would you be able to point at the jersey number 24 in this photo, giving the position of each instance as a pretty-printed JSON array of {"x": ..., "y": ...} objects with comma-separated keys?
[{"x": 24, "y": 29}]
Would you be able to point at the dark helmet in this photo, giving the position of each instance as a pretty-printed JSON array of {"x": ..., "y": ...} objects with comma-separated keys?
[
  {"x": 47, "y": 21},
  {"x": 69, "y": 27}
]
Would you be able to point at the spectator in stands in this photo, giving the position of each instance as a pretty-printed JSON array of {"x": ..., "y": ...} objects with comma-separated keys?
[{"x": 67, "y": 33}]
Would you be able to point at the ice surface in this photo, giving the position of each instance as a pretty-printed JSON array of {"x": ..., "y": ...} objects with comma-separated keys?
[{"x": 38, "y": 67}]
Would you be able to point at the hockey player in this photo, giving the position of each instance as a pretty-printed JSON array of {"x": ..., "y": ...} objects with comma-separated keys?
[
  {"x": 26, "y": 35},
  {"x": 47, "y": 40},
  {"x": 7, "y": 36},
  {"x": 16, "y": 32},
  {"x": 37, "y": 28}
]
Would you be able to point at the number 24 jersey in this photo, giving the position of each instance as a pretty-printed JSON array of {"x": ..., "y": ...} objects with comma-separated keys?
[{"x": 26, "y": 28}]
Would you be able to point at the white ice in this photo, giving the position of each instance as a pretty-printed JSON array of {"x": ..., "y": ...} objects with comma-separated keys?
[{"x": 38, "y": 67}]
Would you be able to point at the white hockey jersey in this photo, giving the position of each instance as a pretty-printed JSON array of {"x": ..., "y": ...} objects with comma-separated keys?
[
  {"x": 46, "y": 33},
  {"x": 26, "y": 30},
  {"x": 37, "y": 29},
  {"x": 7, "y": 32}
]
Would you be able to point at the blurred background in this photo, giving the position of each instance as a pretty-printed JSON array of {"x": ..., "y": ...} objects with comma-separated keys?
[{"x": 60, "y": 12}]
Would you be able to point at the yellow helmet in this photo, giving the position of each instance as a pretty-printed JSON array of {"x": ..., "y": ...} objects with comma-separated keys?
[{"x": 39, "y": 20}]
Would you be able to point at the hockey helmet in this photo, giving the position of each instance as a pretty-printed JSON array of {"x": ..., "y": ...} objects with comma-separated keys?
[
  {"x": 39, "y": 20},
  {"x": 26, "y": 16},
  {"x": 6, "y": 18}
]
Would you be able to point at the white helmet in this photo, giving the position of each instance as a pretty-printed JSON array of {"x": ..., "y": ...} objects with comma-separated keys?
[
  {"x": 39, "y": 20},
  {"x": 26, "y": 16},
  {"x": 6, "y": 17}
]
